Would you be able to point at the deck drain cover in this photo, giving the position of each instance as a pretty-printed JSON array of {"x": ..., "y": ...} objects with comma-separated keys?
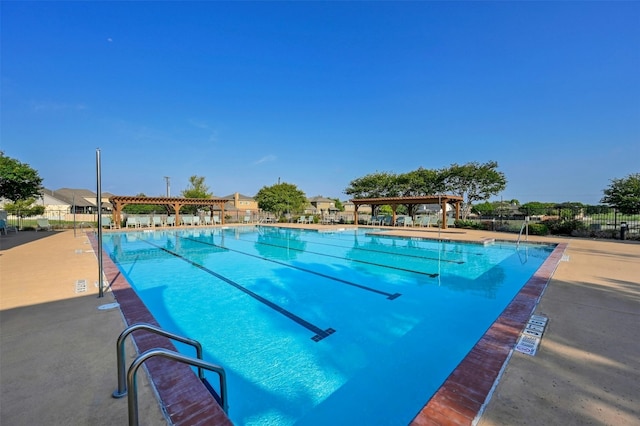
[
  {"x": 108, "y": 306},
  {"x": 81, "y": 286}
]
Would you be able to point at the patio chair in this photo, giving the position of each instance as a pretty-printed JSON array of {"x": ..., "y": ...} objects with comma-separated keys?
[
  {"x": 207, "y": 220},
  {"x": 247, "y": 219},
  {"x": 106, "y": 222},
  {"x": 4, "y": 227},
  {"x": 157, "y": 221},
  {"x": 132, "y": 222},
  {"x": 424, "y": 221},
  {"x": 144, "y": 221},
  {"x": 302, "y": 219},
  {"x": 43, "y": 224},
  {"x": 171, "y": 221},
  {"x": 216, "y": 220}
]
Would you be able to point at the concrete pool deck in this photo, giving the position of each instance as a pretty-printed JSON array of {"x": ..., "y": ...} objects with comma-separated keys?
[{"x": 57, "y": 359}]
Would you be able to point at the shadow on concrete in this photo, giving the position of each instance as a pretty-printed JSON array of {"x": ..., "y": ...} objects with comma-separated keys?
[
  {"x": 58, "y": 362},
  {"x": 15, "y": 239}
]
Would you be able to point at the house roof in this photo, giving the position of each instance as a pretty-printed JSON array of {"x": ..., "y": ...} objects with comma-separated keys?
[
  {"x": 321, "y": 199},
  {"x": 240, "y": 197},
  {"x": 79, "y": 197}
]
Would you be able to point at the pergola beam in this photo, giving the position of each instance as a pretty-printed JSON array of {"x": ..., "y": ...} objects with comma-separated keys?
[{"x": 119, "y": 201}]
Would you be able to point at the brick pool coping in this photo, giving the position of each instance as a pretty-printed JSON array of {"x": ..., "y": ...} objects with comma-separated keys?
[
  {"x": 459, "y": 401},
  {"x": 462, "y": 397}
]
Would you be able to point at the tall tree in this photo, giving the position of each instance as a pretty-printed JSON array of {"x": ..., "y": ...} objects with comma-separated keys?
[
  {"x": 18, "y": 181},
  {"x": 474, "y": 182},
  {"x": 624, "y": 194},
  {"x": 197, "y": 188},
  {"x": 373, "y": 185},
  {"x": 281, "y": 198}
]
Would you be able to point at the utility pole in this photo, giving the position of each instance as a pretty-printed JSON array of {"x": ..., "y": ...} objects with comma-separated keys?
[{"x": 168, "y": 180}]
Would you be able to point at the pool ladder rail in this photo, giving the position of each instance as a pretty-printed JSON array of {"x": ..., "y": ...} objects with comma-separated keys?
[
  {"x": 525, "y": 225},
  {"x": 130, "y": 382}
]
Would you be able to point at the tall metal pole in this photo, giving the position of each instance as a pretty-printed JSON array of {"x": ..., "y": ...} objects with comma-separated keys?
[
  {"x": 99, "y": 178},
  {"x": 167, "y": 178},
  {"x": 74, "y": 214}
]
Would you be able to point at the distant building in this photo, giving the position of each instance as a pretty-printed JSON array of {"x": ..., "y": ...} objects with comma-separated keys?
[{"x": 68, "y": 200}]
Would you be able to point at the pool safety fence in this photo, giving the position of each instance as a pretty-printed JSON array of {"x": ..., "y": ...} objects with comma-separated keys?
[{"x": 531, "y": 335}]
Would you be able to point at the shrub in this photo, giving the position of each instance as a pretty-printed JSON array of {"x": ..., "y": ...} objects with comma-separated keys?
[
  {"x": 564, "y": 227},
  {"x": 538, "y": 229}
]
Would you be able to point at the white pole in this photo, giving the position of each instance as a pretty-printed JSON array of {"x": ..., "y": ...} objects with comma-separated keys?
[{"x": 99, "y": 202}]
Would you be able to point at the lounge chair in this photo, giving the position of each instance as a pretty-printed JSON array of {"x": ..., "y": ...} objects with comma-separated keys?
[
  {"x": 302, "y": 219},
  {"x": 144, "y": 221},
  {"x": 196, "y": 220},
  {"x": 157, "y": 221},
  {"x": 43, "y": 224},
  {"x": 247, "y": 219},
  {"x": 132, "y": 222},
  {"x": 4, "y": 227},
  {"x": 207, "y": 220},
  {"x": 424, "y": 221},
  {"x": 216, "y": 220},
  {"x": 187, "y": 220},
  {"x": 171, "y": 221},
  {"x": 106, "y": 222}
]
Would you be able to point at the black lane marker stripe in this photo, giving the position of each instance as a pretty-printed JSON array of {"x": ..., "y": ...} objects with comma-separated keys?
[
  {"x": 429, "y": 274},
  {"x": 320, "y": 334},
  {"x": 459, "y": 262},
  {"x": 309, "y": 271}
]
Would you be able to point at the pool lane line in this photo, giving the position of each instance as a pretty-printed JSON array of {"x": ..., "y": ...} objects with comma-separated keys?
[
  {"x": 429, "y": 274},
  {"x": 320, "y": 333},
  {"x": 389, "y": 296}
]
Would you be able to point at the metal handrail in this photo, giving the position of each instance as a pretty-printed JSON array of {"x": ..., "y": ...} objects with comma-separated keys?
[
  {"x": 132, "y": 380},
  {"x": 525, "y": 224},
  {"x": 122, "y": 385}
]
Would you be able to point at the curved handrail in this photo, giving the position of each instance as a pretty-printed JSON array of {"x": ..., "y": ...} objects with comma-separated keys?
[
  {"x": 132, "y": 380},
  {"x": 122, "y": 385}
]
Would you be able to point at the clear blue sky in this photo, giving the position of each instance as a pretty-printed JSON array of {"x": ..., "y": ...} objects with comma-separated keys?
[{"x": 319, "y": 93}]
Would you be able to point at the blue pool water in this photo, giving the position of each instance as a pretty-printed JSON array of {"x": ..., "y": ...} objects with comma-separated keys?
[{"x": 319, "y": 328}]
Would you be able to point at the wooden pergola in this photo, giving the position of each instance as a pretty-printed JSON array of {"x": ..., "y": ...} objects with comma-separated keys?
[
  {"x": 119, "y": 201},
  {"x": 394, "y": 202}
]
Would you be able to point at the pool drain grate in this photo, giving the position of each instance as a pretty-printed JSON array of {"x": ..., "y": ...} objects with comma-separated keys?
[
  {"x": 531, "y": 335},
  {"x": 81, "y": 286}
]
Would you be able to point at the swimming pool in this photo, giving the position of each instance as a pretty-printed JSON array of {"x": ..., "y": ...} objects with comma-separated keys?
[{"x": 315, "y": 327}]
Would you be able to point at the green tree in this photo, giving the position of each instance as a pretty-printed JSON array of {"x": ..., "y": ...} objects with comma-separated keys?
[
  {"x": 197, "y": 188},
  {"x": 338, "y": 204},
  {"x": 624, "y": 194},
  {"x": 473, "y": 182},
  {"x": 25, "y": 208},
  {"x": 281, "y": 198},
  {"x": 373, "y": 185},
  {"x": 536, "y": 208},
  {"x": 18, "y": 181},
  {"x": 484, "y": 209}
]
